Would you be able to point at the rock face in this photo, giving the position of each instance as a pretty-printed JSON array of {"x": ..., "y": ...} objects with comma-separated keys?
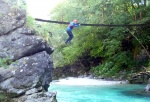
[
  {"x": 74, "y": 70},
  {"x": 27, "y": 73},
  {"x": 17, "y": 44},
  {"x": 11, "y": 18},
  {"x": 80, "y": 68},
  {"x": 139, "y": 78},
  {"x": 29, "y": 65}
]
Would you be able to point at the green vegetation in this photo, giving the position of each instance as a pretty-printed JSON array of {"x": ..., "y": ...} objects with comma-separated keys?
[
  {"x": 4, "y": 98},
  {"x": 4, "y": 62},
  {"x": 41, "y": 29},
  {"x": 121, "y": 48}
]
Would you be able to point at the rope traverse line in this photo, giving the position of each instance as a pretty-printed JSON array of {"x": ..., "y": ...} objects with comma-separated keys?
[{"x": 105, "y": 25}]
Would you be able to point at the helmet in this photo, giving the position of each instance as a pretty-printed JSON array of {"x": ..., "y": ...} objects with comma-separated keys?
[{"x": 75, "y": 20}]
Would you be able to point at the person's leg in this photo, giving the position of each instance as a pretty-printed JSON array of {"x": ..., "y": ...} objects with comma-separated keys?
[{"x": 70, "y": 34}]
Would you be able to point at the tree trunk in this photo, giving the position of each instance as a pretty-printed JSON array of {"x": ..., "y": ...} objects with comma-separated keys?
[
  {"x": 145, "y": 2},
  {"x": 140, "y": 15}
]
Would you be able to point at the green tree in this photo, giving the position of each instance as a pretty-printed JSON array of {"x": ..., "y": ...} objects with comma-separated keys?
[{"x": 105, "y": 42}]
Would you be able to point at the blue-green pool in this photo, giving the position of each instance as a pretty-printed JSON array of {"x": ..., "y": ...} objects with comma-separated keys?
[{"x": 107, "y": 93}]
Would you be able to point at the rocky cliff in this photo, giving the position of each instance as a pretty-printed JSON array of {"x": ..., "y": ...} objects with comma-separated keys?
[{"x": 28, "y": 65}]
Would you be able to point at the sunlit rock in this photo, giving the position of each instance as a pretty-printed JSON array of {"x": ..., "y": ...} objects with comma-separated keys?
[{"x": 147, "y": 88}]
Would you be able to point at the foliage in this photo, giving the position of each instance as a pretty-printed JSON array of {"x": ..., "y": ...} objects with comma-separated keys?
[
  {"x": 30, "y": 22},
  {"x": 117, "y": 63},
  {"x": 41, "y": 29},
  {"x": 4, "y": 98},
  {"x": 5, "y": 61},
  {"x": 105, "y": 42}
]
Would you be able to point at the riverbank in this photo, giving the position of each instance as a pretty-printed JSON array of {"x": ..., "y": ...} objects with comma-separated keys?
[{"x": 86, "y": 81}]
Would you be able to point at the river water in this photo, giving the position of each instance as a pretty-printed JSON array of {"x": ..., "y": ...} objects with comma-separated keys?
[{"x": 89, "y": 90}]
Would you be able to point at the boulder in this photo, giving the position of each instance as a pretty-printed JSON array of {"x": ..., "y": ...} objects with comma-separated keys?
[
  {"x": 27, "y": 73},
  {"x": 147, "y": 88},
  {"x": 28, "y": 66},
  {"x": 16, "y": 45},
  {"x": 139, "y": 78},
  {"x": 38, "y": 97}
]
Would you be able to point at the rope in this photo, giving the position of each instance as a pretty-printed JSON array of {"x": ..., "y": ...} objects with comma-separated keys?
[{"x": 105, "y": 25}]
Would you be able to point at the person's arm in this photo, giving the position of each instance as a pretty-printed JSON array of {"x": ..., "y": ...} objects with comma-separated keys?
[
  {"x": 72, "y": 25},
  {"x": 77, "y": 25}
]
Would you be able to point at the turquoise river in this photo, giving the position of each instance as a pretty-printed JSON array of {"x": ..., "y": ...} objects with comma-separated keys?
[{"x": 100, "y": 93}]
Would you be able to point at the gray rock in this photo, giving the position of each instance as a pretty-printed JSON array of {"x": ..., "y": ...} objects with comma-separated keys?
[
  {"x": 38, "y": 97},
  {"x": 31, "y": 67},
  {"x": 9, "y": 17},
  {"x": 16, "y": 45},
  {"x": 26, "y": 73},
  {"x": 139, "y": 78},
  {"x": 147, "y": 88},
  {"x": 34, "y": 90}
]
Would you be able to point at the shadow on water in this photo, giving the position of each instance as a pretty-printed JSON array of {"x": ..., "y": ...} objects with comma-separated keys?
[
  {"x": 131, "y": 90},
  {"x": 136, "y": 93}
]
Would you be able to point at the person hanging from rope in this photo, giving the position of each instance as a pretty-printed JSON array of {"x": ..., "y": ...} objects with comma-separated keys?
[{"x": 69, "y": 30}]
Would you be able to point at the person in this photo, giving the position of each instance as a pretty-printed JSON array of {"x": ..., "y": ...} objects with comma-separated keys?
[{"x": 69, "y": 30}]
